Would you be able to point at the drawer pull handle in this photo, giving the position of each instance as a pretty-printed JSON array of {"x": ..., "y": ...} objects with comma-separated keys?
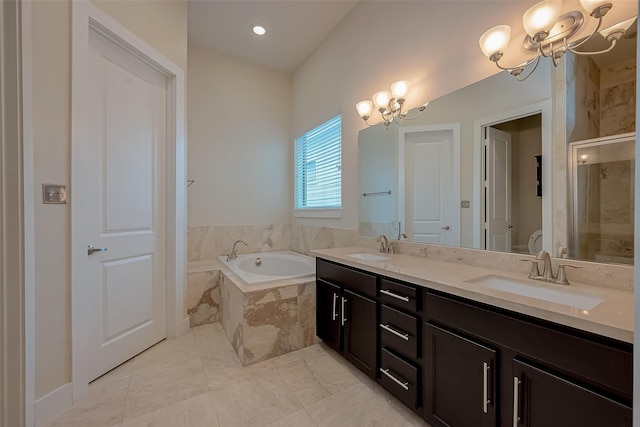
[
  {"x": 334, "y": 315},
  {"x": 344, "y": 317},
  {"x": 485, "y": 388},
  {"x": 391, "y": 294},
  {"x": 394, "y": 332},
  {"x": 516, "y": 396},
  {"x": 404, "y": 385}
]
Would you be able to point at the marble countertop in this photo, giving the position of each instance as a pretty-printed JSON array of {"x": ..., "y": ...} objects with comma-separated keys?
[{"x": 613, "y": 317}]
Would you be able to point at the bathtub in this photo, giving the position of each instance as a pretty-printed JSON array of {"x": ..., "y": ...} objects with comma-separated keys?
[{"x": 271, "y": 266}]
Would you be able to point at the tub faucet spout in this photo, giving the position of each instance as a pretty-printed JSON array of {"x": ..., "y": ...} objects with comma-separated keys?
[{"x": 234, "y": 251}]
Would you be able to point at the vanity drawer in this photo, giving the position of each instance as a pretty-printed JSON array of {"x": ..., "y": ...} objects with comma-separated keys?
[
  {"x": 399, "y": 295},
  {"x": 399, "y": 378},
  {"x": 346, "y": 277},
  {"x": 399, "y": 332}
]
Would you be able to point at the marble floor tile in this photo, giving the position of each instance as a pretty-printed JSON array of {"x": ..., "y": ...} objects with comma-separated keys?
[
  {"x": 330, "y": 374},
  {"x": 356, "y": 406},
  {"x": 198, "y": 380},
  {"x": 166, "y": 355},
  {"x": 104, "y": 405},
  {"x": 297, "y": 419},
  {"x": 194, "y": 412},
  {"x": 158, "y": 388},
  {"x": 121, "y": 372},
  {"x": 254, "y": 402},
  {"x": 301, "y": 381}
]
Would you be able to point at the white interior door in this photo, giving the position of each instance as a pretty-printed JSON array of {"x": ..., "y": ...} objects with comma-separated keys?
[
  {"x": 122, "y": 198},
  {"x": 428, "y": 187},
  {"x": 497, "y": 188}
]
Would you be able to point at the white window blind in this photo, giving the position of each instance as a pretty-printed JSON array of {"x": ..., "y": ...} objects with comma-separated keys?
[{"x": 318, "y": 167}]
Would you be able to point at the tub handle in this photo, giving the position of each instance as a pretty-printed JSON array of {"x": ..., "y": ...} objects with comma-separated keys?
[{"x": 334, "y": 315}]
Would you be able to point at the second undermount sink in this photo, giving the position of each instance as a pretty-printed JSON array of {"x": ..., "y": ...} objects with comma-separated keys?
[
  {"x": 542, "y": 291},
  {"x": 366, "y": 256}
]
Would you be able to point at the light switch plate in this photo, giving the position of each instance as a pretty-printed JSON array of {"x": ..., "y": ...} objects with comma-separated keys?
[
  {"x": 465, "y": 204},
  {"x": 54, "y": 194}
]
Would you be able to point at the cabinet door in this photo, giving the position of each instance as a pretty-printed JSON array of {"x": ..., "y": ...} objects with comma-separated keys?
[
  {"x": 542, "y": 399},
  {"x": 328, "y": 313},
  {"x": 459, "y": 380},
  {"x": 360, "y": 330}
]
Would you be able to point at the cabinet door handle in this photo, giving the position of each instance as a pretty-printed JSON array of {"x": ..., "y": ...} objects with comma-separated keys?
[
  {"x": 404, "y": 385},
  {"x": 334, "y": 315},
  {"x": 485, "y": 388},
  {"x": 391, "y": 294},
  {"x": 344, "y": 317},
  {"x": 394, "y": 332},
  {"x": 516, "y": 396}
]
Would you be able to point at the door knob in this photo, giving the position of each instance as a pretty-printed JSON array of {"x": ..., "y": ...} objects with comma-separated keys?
[
  {"x": 92, "y": 250},
  {"x": 510, "y": 226},
  {"x": 446, "y": 227}
]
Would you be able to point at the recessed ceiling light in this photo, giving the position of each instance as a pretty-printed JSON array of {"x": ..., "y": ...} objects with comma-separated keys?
[{"x": 258, "y": 30}]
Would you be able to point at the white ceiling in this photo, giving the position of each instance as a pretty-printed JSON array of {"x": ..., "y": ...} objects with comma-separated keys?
[{"x": 294, "y": 28}]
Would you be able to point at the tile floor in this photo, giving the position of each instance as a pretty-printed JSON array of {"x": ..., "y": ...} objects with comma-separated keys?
[{"x": 197, "y": 380}]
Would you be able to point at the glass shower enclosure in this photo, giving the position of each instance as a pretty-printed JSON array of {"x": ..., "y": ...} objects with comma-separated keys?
[{"x": 602, "y": 186}]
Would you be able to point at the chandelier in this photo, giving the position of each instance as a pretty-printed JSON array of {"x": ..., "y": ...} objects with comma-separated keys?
[
  {"x": 549, "y": 33},
  {"x": 389, "y": 105}
]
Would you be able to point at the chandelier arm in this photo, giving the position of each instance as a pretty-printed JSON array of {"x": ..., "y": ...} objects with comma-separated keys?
[
  {"x": 613, "y": 44},
  {"x": 571, "y": 48},
  {"x": 413, "y": 118},
  {"x": 523, "y": 65},
  {"x": 519, "y": 76}
]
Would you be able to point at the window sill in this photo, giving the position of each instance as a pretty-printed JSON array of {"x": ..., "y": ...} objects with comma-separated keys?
[{"x": 317, "y": 213}]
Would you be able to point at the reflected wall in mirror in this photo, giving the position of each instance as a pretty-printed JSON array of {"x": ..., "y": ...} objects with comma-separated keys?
[{"x": 456, "y": 179}]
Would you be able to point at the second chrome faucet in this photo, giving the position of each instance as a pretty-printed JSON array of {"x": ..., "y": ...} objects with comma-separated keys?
[{"x": 547, "y": 269}]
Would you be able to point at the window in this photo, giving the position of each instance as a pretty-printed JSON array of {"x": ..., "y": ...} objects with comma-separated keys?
[{"x": 318, "y": 162}]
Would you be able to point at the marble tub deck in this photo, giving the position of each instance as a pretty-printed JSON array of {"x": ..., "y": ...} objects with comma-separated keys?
[{"x": 197, "y": 381}]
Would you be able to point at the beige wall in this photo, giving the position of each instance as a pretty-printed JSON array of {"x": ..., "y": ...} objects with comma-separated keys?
[
  {"x": 360, "y": 57},
  {"x": 162, "y": 24},
  {"x": 239, "y": 141}
]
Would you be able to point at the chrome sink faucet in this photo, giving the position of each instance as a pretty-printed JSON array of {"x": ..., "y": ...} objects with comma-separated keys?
[
  {"x": 385, "y": 247},
  {"x": 234, "y": 251},
  {"x": 547, "y": 270}
]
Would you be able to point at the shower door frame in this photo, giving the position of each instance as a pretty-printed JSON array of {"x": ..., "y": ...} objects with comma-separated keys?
[{"x": 572, "y": 159}]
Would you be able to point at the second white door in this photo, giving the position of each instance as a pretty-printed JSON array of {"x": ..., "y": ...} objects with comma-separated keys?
[
  {"x": 429, "y": 196},
  {"x": 497, "y": 187}
]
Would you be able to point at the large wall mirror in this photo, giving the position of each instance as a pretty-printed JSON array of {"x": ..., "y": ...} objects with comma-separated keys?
[{"x": 547, "y": 163}]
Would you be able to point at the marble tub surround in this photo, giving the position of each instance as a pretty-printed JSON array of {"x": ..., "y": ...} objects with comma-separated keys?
[
  {"x": 203, "y": 292},
  {"x": 212, "y": 241},
  {"x": 305, "y": 238},
  {"x": 265, "y": 323},
  {"x": 613, "y": 317},
  {"x": 613, "y": 276}
]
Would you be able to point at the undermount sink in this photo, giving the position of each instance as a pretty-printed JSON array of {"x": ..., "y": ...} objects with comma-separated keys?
[
  {"x": 542, "y": 291},
  {"x": 365, "y": 256}
]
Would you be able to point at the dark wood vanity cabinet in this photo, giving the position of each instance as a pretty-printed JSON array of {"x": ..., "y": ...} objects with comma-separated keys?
[
  {"x": 461, "y": 363},
  {"x": 401, "y": 342},
  {"x": 346, "y": 313},
  {"x": 460, "y": 380},
  {"x": 523, "y": 371},
  {"x": 545, "y": 399}
]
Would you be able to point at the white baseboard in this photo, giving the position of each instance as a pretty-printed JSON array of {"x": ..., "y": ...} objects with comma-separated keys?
[
  {"x": 53, "y": 404},
  {"x": 184, "y": 326}
]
